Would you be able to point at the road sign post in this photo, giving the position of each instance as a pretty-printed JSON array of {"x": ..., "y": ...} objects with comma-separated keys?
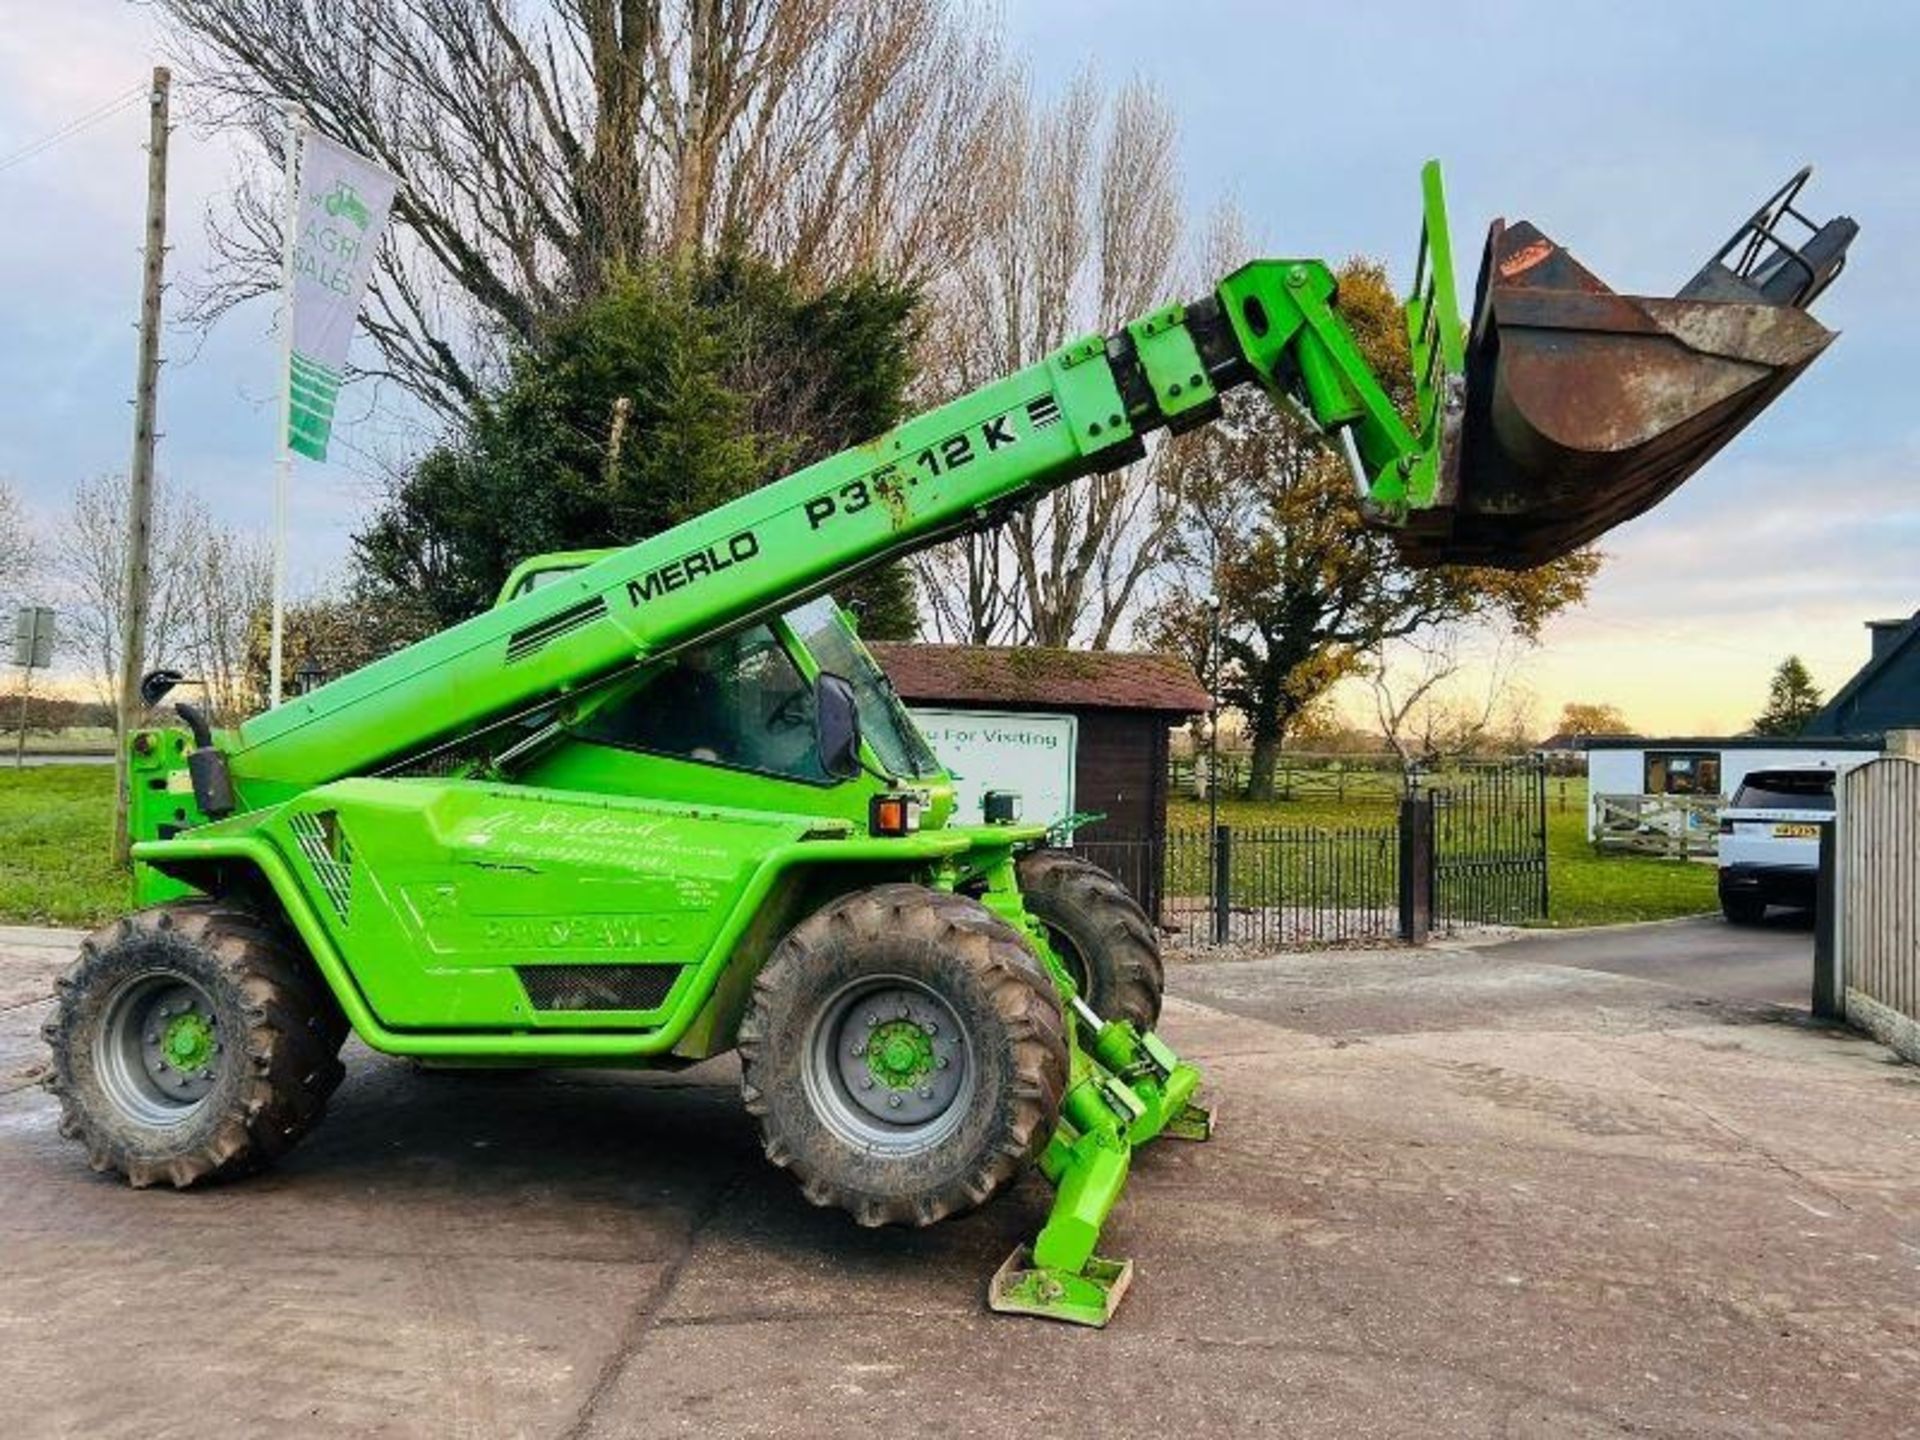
[{"x": 32, "y": 650}]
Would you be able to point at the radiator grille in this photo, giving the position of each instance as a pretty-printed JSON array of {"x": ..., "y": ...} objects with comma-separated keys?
[
  {"x": 328, "y": 851},
  {"x": 597, "y": 987},
  {"x": 527, "y": 640}
]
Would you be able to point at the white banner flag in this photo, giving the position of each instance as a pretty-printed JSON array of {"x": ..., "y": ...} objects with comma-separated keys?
[{"x": 342, "y": 210}]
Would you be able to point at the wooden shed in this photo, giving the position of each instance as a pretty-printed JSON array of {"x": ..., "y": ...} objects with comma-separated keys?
[{"x": 1121, "y": 706}]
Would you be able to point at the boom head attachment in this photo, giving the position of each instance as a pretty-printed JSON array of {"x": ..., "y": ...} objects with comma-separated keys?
[{"x": 1570, "y": 409}]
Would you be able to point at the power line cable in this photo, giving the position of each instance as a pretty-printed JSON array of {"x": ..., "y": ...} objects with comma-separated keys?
[
  {"x": 74, "y": 127},
  {"x": 1673, "y": 637}
]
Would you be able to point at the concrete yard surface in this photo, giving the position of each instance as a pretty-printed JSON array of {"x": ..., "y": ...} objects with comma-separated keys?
[{"x": 1503, "y": 1191}]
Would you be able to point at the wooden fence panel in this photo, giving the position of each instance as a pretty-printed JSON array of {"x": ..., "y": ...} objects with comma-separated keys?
[
  {"x": 1682, "y": 826},
  {"x": 1877, "y": 888}
]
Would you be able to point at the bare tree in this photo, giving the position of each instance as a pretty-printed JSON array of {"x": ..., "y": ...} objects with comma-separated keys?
[
  {"x": 1088, "y": 240},
  {"x": 18, "y": 552},
  {"x": 546, "y": 146},
  {"x": 230, "y": 589},
  {"x": 1309, "y": 592},
  {"x": 1426, "y": 711},
  {"x": 88, "y": 561}
]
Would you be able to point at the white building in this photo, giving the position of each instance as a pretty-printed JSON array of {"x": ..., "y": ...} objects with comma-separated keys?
[{"x": 1692, "y": 765}]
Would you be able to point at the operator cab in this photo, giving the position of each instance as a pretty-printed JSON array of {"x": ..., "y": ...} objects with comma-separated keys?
[
  {"x": 792, "y": 701},
  {"x": 748, "y": 699},
  {"x": 538, "y": 571},
  {"x": 752, "y": 700}
]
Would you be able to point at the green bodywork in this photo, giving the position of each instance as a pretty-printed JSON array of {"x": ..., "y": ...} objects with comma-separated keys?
[{"x": 491, "y": 862}]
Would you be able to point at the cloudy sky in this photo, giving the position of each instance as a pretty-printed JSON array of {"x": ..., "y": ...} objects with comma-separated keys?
[{"x": 1636, "y": 133}]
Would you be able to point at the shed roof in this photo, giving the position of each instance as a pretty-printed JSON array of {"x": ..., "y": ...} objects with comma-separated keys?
[
  {"x": 1023, "y": 675},
  {"x": 1729, "y": 742},
  {"x": 1565, "y": 740}
]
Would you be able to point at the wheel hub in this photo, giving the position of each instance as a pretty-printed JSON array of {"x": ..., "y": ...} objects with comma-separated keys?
[
  {"x": 187, "y": 1043},
  {"x": 900, "y": 1054},
  {"x": 892, "y": 1061},
  {"x": 159, "y": 1049}
]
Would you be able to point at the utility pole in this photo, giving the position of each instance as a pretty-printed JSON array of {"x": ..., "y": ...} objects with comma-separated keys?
[{"x": 133, "y": 611}]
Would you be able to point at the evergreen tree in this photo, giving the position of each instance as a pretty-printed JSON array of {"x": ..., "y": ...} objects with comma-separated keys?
[
  {"x": 1792, "y": 700},
  {"x": 669, "y": 394}
]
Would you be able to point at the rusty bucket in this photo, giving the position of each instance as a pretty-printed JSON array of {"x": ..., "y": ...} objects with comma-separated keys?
[{"x": 1582, "y": 408}]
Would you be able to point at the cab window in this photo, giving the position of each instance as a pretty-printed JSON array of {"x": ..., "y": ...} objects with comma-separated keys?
[{"x": 739, "y": 701}]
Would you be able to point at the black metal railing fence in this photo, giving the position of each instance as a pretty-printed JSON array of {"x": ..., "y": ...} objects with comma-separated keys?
[
  {"x": 1465, "y": 848},
  {"x": 1271, "y": 886}
]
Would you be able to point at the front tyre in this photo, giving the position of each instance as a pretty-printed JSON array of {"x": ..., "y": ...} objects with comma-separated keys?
[
  {"x": 191, "y": 1041},
  {"x": 905, "y": 1054},
  {"x": 1099, "y": 932}
]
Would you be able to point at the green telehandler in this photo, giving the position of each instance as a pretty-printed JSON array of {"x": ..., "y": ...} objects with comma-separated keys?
[{"x": 658, "y": 803}]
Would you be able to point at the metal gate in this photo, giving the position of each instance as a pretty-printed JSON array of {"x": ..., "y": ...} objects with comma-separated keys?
[
  {"x": 1490, "y": 843},
  {"x": 1268, "y": 887},
  {"x": 1877, "y": 889}
]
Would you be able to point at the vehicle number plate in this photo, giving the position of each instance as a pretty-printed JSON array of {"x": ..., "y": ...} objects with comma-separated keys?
[{"x": 1796, "y": 832}]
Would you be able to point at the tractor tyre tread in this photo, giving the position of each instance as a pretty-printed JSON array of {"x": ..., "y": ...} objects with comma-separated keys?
[
  {"x": 262, "y": 987},
  {"x": 904, "y": 927},
  {"x": 1118, "y": 946}
]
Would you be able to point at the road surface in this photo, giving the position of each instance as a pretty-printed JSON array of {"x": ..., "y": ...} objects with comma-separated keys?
[
  {"x": 1454, "y": 1192},
  {"x": 1767, "y": 964}
]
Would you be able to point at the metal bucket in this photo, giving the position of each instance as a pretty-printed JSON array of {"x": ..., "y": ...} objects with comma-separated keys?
[{"x": 1583, "y": 408}]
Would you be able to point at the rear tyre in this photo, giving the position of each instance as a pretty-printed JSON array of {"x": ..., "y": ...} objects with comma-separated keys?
[
  {"x": 1099, "y": 932},
  {"x": 905, "y": 1054},
  {"x": 191, "y": 1041},
  {"x": 1743, "y": 909}
]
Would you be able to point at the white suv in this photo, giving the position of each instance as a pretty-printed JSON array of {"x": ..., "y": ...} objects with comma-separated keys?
[{"x": 1770, "y": 841}]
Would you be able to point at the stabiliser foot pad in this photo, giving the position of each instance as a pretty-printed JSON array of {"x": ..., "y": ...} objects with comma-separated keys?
[
  {"x": 1192, "y": 1122},
  {"x": 1087, "y": 1298}
]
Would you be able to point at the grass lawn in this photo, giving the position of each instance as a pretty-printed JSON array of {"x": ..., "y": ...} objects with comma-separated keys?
[
  {"x": 1584, "y": 887},
  {"x": 56, "y": 864}
]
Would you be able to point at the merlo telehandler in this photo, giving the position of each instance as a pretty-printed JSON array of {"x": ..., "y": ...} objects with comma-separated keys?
[{"x": 659, "y": 803}]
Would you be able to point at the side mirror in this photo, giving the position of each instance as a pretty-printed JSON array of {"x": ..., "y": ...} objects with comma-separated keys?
[
  {"x": 155, "y": 685},
  {"x": 836, "y": 726}
]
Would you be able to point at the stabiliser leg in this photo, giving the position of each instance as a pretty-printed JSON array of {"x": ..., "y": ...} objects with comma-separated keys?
[
  {"x": 1162, "y": 1082},
  {"x": 1128, "y": 1088}
]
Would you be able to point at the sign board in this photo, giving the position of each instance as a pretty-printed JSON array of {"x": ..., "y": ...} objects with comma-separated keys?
[
  {"x": 990, "y": 750},
  {"x": 33, "y": 637}
]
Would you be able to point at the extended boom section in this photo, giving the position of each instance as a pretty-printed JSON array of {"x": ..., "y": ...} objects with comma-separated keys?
[
  {"x": 964, "y": 466},
  {"x": 1565, "y": 410},
  {"x": 767, "y": 551}
]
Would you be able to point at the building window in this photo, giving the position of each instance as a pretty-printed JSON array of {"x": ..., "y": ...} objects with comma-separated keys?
[{"x": 1682, "y": 772}]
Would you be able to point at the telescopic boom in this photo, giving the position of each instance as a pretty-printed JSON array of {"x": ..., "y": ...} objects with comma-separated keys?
[{"x": 1565, "y": 410}]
